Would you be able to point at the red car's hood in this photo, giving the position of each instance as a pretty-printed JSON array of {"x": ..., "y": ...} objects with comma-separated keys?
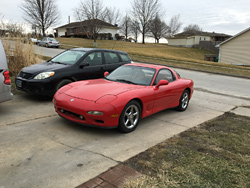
[{"x": 95, "y": 89}]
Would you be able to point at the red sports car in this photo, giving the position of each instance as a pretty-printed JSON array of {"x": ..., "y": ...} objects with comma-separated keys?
[{"x": 122, "y": 98}]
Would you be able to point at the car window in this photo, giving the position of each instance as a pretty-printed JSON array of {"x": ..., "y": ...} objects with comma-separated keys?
[
  {"x": 93, "y": 59},
  {"x": 125, "y": 58},
  {"x": 51, "y": 39},
  {"x": 133, "y": 74},
  {"x": 164, "y": 74},
  {"x": 111, "y": 57},
  {"x": 68, "y": 57}
]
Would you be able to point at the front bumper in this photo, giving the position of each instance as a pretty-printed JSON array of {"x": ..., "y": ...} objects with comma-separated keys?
[
  {"x": 76, "y": 110},
  {"x": 6, "y": 94},
  {"x": 39, "y": 87}
]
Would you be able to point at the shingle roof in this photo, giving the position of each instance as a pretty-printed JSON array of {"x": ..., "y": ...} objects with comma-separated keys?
[
  {"x": 240, "y": 33},
  {"x": 186, "y": 34},
  {"x": 86, "y": 23}
]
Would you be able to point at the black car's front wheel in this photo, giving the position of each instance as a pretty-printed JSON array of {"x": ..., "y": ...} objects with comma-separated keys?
[
  {"x": 63, "y": 83},
  {"x": 130, "y": 117},
  {"x": 184, "y": 101}
]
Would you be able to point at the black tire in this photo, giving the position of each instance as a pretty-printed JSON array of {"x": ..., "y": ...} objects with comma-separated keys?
[
  {"x": 184, "y": 101},
  {"x": 130, "y": 117},
  {"x": 46, "y": 45},
  {"x": 62, "y": 83}
]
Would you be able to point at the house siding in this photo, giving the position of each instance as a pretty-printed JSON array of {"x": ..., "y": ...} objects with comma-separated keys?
[
  {"x": 192, "y": 41},
  {"x": 236, "y": 51},
  {"x": 61, "y": 32},
  {"x": 177, "y": 42}
]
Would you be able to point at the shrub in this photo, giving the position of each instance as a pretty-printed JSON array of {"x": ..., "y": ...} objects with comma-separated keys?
[{"x": 19, "y": 55}]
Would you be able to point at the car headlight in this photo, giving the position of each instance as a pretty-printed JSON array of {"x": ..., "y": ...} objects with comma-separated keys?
[
  {"x": 44, "y": 75},
  {"x": 97, "y": 113}
]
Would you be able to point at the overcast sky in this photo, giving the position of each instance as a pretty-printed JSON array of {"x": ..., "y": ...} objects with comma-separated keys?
[{"x": 221, "y": 16}]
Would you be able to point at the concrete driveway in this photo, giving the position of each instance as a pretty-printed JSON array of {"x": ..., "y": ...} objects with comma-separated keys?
[{"x": 40, "y": 149}]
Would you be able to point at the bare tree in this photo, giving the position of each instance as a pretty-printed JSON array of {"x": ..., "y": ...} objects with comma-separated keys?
[
  {"x": 126, "y": 26},
  {"x": 158, "y": 28},
  {"x": 41, "y": 13},
  {"x": 14, "y": 29},
  {"x": 135, "y": 29},
  {"x": 192, "y": 27},
  {"x": 2, "y": 25},
  {"x": 144, "y": 11},
  {"x": 91, "y": 10},
  {"x": 112, "y": 16},
  {"x": 173, "y": 26}
]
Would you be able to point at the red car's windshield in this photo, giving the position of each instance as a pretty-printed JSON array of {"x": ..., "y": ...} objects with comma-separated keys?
[{"x": 133, "y": 75}]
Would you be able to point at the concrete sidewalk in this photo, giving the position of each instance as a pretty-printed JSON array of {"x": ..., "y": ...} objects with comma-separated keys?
[{"x": 116, "y": 176}]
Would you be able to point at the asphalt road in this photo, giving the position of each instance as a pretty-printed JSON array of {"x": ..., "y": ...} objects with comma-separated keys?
[
  {"x": 40, "y": 149},
  {"x": 50, "y": 52}
]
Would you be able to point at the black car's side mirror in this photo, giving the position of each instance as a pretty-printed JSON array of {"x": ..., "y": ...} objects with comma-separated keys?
[{"x": 83, "y": 64}]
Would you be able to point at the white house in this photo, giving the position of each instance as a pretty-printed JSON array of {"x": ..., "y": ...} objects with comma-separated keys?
[{"x": 193, "y": 38}]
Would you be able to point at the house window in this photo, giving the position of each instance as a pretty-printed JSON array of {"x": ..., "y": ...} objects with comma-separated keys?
[
  {"x": 71, "y": 30},
  {"x": 88, "y": 29},
  {"x": 80, "y": 30}
]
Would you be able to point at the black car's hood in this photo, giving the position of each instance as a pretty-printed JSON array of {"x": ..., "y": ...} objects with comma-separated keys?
[{"x": 42, "y": 67}]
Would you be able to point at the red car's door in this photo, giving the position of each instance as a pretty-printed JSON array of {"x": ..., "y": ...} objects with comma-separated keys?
[{"x": 166, "y": 96}]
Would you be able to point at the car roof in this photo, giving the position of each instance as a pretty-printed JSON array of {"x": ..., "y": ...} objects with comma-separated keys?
[{"x": 96, "y": 49}]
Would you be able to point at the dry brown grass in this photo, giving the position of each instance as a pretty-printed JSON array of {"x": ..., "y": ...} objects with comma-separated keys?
[
  {"x": 214, "y": 154},
  {"x": 19, "y": 55},
  {"x": 148, "y": 49},
  {"x": 190, "y": 58}
]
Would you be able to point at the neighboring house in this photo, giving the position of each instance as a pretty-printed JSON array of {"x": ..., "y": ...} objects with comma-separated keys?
[
  {"x": 236, "y": 50},
  {"x": 83, "y": 29},
  {"x": 200, "y": 39}
]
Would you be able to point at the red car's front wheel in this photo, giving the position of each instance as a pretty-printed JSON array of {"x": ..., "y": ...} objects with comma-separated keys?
[
  {"x": 184, "y": 101},
  {"x": 130, "y": 117}
]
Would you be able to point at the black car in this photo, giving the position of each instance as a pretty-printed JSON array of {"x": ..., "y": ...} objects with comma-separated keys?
[{"x": 69, "y": 66}]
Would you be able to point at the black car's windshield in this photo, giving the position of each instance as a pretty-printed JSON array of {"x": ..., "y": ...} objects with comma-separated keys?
[
  {"x": 132, "y": 75},
  {"x": 69, "y": 57}
]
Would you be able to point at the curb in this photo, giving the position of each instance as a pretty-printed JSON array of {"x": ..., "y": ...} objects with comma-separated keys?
[{"x": 115, "y": 177}]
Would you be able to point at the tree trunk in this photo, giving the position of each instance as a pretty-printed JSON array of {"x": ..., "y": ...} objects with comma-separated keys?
[
  {"x": 143, "y": 37},
  {"x": 43, "y": 30}
]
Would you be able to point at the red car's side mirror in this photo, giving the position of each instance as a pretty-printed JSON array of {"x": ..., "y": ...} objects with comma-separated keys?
[
  {"x": 161, "y": 83},
  {"x": 106, "y": 73}
]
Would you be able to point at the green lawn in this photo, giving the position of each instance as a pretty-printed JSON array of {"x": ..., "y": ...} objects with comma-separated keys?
[{"x": 215, "y": 154}]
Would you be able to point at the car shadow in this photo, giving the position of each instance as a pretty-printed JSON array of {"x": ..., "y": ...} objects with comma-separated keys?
[
  {"x": 76, "y": 127},
  {"x": 36, "y": 98}
]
